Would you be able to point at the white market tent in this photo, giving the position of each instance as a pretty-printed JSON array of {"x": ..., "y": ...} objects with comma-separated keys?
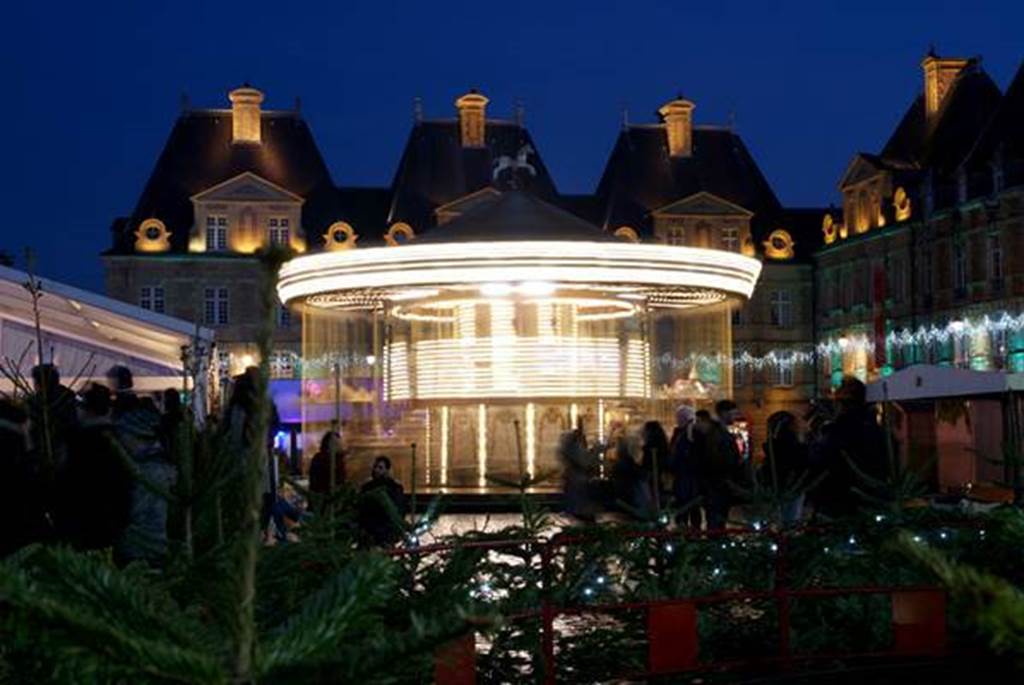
[
  {"x": 964, "y": 450},
  {"x": 927, "y": 382},
  {"x": 85, "y": 334}
]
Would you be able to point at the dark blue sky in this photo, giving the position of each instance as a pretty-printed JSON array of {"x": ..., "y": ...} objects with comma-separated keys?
[{"x": 93, "y": 88}]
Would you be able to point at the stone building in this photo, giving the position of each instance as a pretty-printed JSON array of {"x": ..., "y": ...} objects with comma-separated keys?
[
  {"x": 922, "y": 264},
  {"x": 232, "y": 180}
]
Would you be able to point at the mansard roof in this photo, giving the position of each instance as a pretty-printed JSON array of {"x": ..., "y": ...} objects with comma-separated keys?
[
  {"x": 1004, "y": 135},
  {"x": 199, "y": 154},
  {"x": 641, "y": 176},
  {"x": 964, "y": 112},
  {"x": 435, "y": 168}
]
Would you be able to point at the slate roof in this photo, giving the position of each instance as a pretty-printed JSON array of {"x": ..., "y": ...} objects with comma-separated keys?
[
  {"x": 641, "y": 176},
  {"x": 199, "y": 154},
  {"x": 966, "y": 109},
  {"x": 436, "y": 169},
  {"x": 515, "y": 215},
  {"x": 1003, "y": 136}
]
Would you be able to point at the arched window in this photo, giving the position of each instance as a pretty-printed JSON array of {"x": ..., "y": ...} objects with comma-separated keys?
[{"x": 863, "y": 211}]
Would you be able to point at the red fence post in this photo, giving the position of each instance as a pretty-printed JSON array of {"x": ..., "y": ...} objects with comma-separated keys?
[
  {"x": 919, "y": 622},
  {"x": 455, "y": 661},
  {"x": 672, "y": 642}
]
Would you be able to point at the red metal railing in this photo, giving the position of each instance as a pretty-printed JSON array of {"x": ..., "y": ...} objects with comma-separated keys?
[{"x": 918, "y": 611}]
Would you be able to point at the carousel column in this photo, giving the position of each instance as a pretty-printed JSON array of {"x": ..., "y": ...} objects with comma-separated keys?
[
  {"x": 481, "y": 448},
  {"x": 375, "y": 376},
  {"x": 443, "y": 476}
]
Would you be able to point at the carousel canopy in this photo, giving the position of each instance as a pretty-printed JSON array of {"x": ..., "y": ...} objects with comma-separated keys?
[{"x": 522, "y": 243}]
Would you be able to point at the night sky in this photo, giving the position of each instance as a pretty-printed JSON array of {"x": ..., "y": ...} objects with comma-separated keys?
[{"x": 92, "y": 89}]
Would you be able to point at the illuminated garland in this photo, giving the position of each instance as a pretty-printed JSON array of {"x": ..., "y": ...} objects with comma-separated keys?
[{"x": 965, "y": 329}]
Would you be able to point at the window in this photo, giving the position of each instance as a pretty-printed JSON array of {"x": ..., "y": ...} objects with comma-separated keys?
[
  {"x": 999, "y": 346},
  {"x": 215, "y": 309},
  {"x": 284, "y": 316},
  {"x": 995, "y": 259},
  {"x": 282, "y": 364},
  {"x": 152, "y": 298},
  {"x": 216, "y": 233},
  {"x": 781, "y": 308},
  {"x": 783, "y": 374},
  {"x": 731, "y": 239},
  {"x": 280, "y": 230},
  {"x": 960, "y": 268}
]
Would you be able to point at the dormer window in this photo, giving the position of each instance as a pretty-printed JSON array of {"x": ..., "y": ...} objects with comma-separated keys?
[
  {"x": 216, "y": 233},
  {"x": 731, "y": 239},
  {"x": 279, "y": 229}
]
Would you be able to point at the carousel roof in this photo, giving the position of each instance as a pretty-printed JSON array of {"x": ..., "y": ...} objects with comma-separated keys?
[
  {"x": 515, "y": 215},
  {"x": 521, "y": 244}
]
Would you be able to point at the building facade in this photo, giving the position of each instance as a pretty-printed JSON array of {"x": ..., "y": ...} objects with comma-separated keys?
[{"x": 923, "y": 262}]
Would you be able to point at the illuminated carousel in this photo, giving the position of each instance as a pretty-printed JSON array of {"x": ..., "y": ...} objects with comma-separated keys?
[{"x": 485, "y": 338}]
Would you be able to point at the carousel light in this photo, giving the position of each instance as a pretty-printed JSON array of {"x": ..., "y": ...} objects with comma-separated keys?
[
  {"x": 531, "y": 439},
  {"x": 496, "y": 289},
  {"x": 444, "y": 445},
  {"x": 481, "y": 448},
  {"x": 536, "y": 288},
  {"x": 664, "y": 269}
]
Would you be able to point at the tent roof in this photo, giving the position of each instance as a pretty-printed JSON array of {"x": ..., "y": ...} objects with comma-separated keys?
[
  {"x": 923, "y": 382},
  {"x": 98, "y": 321}
]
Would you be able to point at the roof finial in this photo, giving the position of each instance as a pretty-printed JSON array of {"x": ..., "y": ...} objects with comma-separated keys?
[
  {"x": 625, "y": 117},
  {"x": 732, "y": 120},
  {"x": 417, "y": 109},
  {"x": 184, "y": 102},
  {"x": 931, "y": 50},
  {"x": 520, "y": 113},
  {"x": 298, "y": 105}
]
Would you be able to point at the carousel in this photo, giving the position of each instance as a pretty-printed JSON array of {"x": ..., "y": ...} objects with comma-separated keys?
[{"x": 463, "y": 353}]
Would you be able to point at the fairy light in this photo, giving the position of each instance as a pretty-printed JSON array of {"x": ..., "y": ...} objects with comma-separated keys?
[
  {"x": 600, "y": 421},
  {"x": 574, "y": 414}
]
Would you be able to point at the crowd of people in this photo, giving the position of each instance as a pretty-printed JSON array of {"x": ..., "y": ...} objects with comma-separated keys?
[
  {"x": 88, "y": 470},
  {"x": 92, "y": 470},
  {"x": 829, "y": 459},
  {"x": 97, "y": 469}
]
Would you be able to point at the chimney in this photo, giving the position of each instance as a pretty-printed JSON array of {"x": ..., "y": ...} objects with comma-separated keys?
[
  {"x": 245, "y": 114},
  {"x": 472, "y": 108},
  {"x": 678, "y": 117},
  {"x": 939, "y": 73}
]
